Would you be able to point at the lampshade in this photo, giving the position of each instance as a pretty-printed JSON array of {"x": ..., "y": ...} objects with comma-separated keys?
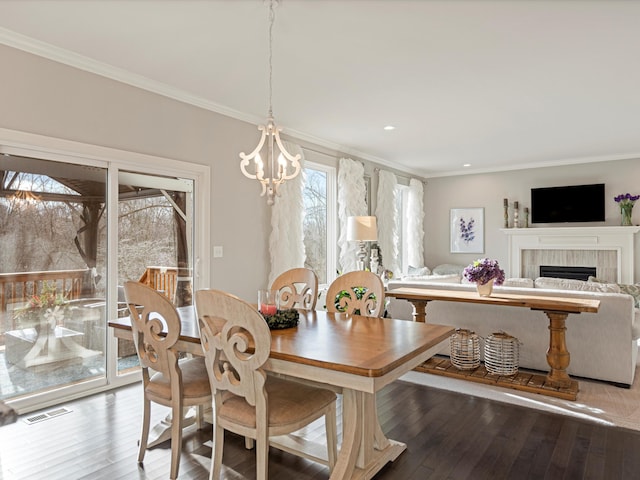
[{"x": 363, "y": 229}]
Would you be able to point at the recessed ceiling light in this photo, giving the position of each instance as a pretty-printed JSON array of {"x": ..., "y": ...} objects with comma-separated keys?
[
  {"x": 466, "y": 165},
  {"x": 389, "y": 127}
]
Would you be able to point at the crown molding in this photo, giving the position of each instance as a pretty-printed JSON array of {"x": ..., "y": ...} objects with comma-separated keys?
[
  {"x": 66, "y": 57},
  {"x": 555, "y": 163}
]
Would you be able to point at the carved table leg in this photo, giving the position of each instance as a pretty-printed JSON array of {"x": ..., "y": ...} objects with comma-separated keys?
[
  {"x": 558, "y": 356},
  {"x": 419, "y": 310}
]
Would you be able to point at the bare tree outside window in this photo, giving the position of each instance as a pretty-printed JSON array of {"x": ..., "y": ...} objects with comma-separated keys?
[
  {"x": 147, "y": 236},
  {"x": 315, "y": 222},
  {"x": 35, "y": 232}
]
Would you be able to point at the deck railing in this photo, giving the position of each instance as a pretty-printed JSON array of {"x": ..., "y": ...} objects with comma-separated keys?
[
  {"x": 162, "y": 279},
  {"x": 17, "y": 288}
]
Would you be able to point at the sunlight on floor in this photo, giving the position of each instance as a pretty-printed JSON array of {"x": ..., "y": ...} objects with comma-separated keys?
[{"x": 597, "y": 402}]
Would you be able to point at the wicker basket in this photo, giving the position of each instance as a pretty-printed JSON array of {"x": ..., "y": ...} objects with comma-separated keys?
[
  {"x": 465, "y": 349},
  {"x": 501, "y": 354}
]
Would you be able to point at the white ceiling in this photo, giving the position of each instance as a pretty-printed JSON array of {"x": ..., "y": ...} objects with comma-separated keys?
[{"x": 496, "y": 84}]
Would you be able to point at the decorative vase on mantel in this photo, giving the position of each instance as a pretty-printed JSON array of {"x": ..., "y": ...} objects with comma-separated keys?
[
  {"x": 485, "y": 289},
  {"x": 626, "y": 210},
  {"x": 626, "y": 201}
]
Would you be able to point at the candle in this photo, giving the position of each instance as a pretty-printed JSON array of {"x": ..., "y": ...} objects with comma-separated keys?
[
  {"x": 515, "y": 205},
  {"x": 267, "y": 309},
  {"x": 506, "y": 202}
]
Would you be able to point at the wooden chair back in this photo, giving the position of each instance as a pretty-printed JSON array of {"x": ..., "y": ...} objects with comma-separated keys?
[
  {"x": 236, "y": 342},
  {"x": 156, "y": 327},
  {"x": 149, "y": 309},
  {"x": 356, "y": 293},
  {"x": 298, "y": 288}
]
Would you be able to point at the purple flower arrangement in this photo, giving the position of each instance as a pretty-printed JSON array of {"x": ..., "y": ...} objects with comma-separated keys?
[
  {"x": 467, "y": 233},
  {"x": 483, "y": 270},
  {"x": 626, "y": 199}
]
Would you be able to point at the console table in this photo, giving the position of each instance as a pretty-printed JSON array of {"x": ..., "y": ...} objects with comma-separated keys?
[{"x": 557, "y": 382}]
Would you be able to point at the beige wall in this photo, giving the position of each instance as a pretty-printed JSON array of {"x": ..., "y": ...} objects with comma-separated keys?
[
  {"x": 44, "y": 97},
  {"x": 47, "y": 98},
  {"x": 489, "y": 190}
]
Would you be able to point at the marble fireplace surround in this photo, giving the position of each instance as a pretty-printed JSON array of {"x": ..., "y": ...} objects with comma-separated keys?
[{"x": 609, "y": 249}]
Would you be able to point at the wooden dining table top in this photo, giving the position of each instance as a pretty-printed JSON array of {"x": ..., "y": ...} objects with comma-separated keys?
[{"x": 355, "y": 344}]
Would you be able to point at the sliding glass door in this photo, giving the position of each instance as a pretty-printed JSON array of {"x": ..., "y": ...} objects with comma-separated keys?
[
  {"x": 52, "y": 274},
  {"x": 73, "y": 228},
  {"x": 155, "y": 239}
]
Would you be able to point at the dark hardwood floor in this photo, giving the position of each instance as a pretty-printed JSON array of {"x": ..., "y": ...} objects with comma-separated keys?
[{"x": 449, "y": 436}]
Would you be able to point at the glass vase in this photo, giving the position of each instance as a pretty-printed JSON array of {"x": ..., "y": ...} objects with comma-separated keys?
[{"x": 626, "y": 211}]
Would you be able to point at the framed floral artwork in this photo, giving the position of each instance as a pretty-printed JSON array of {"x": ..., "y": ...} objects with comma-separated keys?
[{"x": 467, "y": 230}]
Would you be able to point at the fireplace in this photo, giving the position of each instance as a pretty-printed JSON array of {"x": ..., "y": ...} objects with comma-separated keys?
[
  {"x": 608, "y": 248},
  {"x": 562, "y": 271}
]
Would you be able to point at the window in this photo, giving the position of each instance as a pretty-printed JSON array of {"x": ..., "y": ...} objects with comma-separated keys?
[{"x": 319, "y": 224}]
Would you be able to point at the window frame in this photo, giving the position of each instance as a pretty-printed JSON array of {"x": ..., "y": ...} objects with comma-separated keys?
[
  {"x": 49, "y": 148},
  {"x": 332, "y": 216}
]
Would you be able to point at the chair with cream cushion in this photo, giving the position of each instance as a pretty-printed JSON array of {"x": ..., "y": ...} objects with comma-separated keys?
[
  {"x": 166, "y": 380},
  {"x": 237, "y": 342},
  {"x": 298, "y": 288},
  {"x": 360, "y": 292}
]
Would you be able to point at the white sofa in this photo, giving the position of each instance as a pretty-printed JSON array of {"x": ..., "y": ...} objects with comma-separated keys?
[{"x": 603, "y": 345}]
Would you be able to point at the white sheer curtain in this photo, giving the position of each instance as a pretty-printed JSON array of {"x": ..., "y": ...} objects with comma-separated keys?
[
  {"x": 351, "y": 201},
  {"x": 286, "y": 242},
  {"x": 388, "y": 221},
  {"x": 415, "y": 211}
]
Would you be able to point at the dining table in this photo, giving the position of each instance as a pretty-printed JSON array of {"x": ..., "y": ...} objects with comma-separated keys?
[{"x": 352, "y": 354}]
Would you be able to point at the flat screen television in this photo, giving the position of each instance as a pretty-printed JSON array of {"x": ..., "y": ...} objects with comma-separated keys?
[{"x": 574, "y": 203}]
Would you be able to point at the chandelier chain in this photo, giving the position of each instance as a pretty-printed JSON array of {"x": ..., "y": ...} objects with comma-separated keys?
[{"x": 272, "y": 17}]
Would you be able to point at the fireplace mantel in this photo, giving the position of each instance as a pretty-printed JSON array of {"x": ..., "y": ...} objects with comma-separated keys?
[{"x": 619, "y": 239}]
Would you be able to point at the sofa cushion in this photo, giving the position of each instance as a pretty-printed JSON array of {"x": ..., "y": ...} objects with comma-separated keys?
[
  {"x": 433, "y": 278},
  {"x": 580, "y": 285},
  {"x": 448, "y": 269},
  {"x": 633, "y": 290},
  {"x": 518, "y": 282},
  {"x": 635, "y": 328},
  {"x": 418, "y": 271}
]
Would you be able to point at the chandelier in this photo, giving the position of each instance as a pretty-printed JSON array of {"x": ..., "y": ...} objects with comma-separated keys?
[{"x": 280, "y": 165}]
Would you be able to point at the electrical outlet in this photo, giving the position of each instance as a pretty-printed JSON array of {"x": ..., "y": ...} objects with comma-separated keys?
[{"x": 217, "y": 252}]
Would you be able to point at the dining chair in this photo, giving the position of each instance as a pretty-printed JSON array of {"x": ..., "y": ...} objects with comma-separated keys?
[
  {"x": 165, "y": 380},
  {"x": 237, "y": 342},
  {"x": 298, "y": 288},
  {"x": 356, "y": 293}
]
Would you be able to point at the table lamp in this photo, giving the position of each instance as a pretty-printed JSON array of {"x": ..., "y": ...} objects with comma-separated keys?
[{"x": 362, "y": 229}]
